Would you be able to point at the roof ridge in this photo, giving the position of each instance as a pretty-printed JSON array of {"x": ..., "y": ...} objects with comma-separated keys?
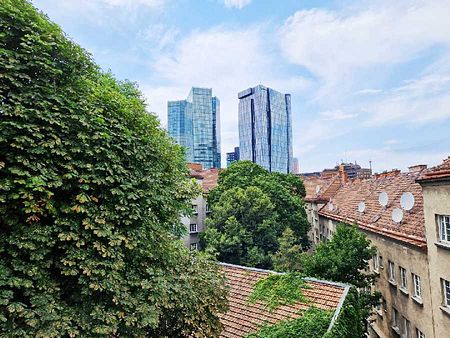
[{"x": 311, "y": 279}]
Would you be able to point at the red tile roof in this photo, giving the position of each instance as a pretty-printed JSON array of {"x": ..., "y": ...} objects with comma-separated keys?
[
  {"x": 208, "y": 177},
  {"x": 440, "y": 172},
  {"x": 243, "y": 318},
  {"x": 377, "y": 218},
  {"x": 320, "y": 189}
]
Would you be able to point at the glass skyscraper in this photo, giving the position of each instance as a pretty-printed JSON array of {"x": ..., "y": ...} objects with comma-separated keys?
[
  {"x": 265, "y": 128},
  {"x": 194, "y": 123}
]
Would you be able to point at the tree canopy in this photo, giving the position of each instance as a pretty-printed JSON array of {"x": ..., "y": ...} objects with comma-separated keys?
[
  {"x": 91, "y": 189},
  {"x": 251, "y": 208}
]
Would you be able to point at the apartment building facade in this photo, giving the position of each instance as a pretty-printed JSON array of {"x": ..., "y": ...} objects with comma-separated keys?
[
  {"x": 405, "y": 216},
  {"x": 195, "y": 224}
]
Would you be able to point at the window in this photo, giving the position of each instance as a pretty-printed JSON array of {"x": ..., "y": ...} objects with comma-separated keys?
[
  {"x": 380, "y": 262},
  {"x": 403, "y": 279},
  {"x": 406, "y": 328},
  {"x": 193, "y": 246},
  {"x": 444, "y": 228},
  {"x": 195, "y": 208},
  {"x": 446, "y": 285},
  {"x": 419, "y": 334},
  {"x": 417, "y": 287},
  {"x": 391, "y": 272},
  {"x": 207, "y": 208},
  {"x": 193, "y": 228},
  {"x": 394, "y": 318},
  {"x": 376, "y": 262}
]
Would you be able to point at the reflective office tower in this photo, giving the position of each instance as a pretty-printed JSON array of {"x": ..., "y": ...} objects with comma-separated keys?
[
  {"x": 194, "y": 123},
  {"x": 265, "y": 128}
]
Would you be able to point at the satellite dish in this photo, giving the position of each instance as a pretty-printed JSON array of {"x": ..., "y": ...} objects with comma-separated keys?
[
  {"x": 361, "y": 207},
  {"x": 397, "y": 215},
  {"x": 330, "y": 206},
  {"x": 383, "y": 198},
  {"x": 317, "y": 189},
  {"x": 407, "y": 201}
]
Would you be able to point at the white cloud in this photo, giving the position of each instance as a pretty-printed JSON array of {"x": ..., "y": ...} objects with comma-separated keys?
[
  {"x": 369, "y": 91},
  {"x": 236, "y": 3}
]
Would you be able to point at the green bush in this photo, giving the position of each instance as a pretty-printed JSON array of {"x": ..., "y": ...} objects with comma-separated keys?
[{"x": 91, "y": 189}]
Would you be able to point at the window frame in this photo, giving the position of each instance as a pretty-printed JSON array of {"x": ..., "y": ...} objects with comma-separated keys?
[
  {"x": 193, "y": 231},
  {"x": 446, "y": 293},
  {"x": 394, "y": 319},
  {"x": 419, "y": 333},
  {"x": 376, "y": 262},
  {"x": 193, "y": 246},
  {"x": 444, "y": 228},
  {"x": 417, "y": 286},
  {"x": 406, "y": 328},
  {"x": 391, "y": 272},
  {"x": 403, "y": 278}
]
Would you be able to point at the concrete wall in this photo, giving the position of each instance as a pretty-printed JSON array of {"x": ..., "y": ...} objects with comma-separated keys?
[
  {"x": 198, "y": 218},
  {"x": 437, "y": 202}
]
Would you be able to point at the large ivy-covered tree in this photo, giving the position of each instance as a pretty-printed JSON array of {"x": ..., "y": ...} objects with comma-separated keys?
[
  {"x": 91, "y": 189},
  {"x": 251, "y": 208}
]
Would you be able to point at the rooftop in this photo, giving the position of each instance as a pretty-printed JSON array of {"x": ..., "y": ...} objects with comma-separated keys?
[
  {"x": 377, "y": 218},
  {"x": 208, "y": 177},
  {"x": 321, "y": 189},
  {"x": 243, "y": 318},
  {"x": 438, "y": 173}
]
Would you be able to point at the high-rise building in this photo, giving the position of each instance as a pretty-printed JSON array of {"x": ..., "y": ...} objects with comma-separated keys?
[
  {"x": 179, "y": 116},
  {"x": 233, "y": 156},
  {"x": 265, "y": 128},
  {"x": 194, "y": 123}
]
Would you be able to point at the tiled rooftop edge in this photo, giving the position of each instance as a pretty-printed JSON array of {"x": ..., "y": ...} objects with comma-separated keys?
[{"x": 310, "y": 279}]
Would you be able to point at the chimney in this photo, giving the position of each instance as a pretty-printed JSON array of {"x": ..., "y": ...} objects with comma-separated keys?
[{"x": 417, "y": 168}]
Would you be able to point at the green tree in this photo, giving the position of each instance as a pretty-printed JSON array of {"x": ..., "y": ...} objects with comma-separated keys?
[
  {"x": 91, "y": 189},
  {"x": 254, "y": 245},
  {"x": 345, "y": 258},
  {"x": 289, "y": 255},
  {"x": 242, "y": 228}
]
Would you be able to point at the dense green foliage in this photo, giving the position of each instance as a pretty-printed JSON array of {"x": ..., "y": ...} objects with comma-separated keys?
[
  {"x": 250, "y": 210},
  {"x": 279, "y": 289},
  {"x": 313, "y": 323},
  {"x": 91, "y": 189},
  {"x": 289, "y": 255},
  {"x": 345, "y": 258}
]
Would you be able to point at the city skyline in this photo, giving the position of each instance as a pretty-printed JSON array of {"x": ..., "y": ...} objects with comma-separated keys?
[{"x": 359, "y": 92}]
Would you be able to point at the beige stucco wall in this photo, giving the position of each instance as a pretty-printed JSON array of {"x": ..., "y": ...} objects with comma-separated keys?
[
  {"x": 437, "y": 202},
  {"x": 414, "y": 261}
]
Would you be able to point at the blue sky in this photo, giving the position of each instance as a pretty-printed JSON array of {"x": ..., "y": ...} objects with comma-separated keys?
[{"x": 370, "y": 80}]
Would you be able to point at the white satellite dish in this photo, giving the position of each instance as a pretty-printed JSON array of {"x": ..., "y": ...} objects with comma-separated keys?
[
  {"x": 361, "y": 207},
  {"x": 383, "y": 198},
  {"x": 317, "y": 189},
  {"x": 330, "y": 206},
  {"x": 407, "y": 201},
  {"x": 397, "y": 215}
]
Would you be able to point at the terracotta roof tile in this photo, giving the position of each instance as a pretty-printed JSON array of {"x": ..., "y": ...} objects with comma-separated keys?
[
  {"x": 209, "y": 177},
  {"x": 320, "y": 189},
  {"x": 439, "y": 172},
  {"x": 377, "y": 218},
  {"x": 243, "y": 318}
]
